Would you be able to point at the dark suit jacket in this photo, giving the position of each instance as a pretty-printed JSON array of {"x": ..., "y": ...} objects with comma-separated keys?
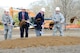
[
  {"x": 38, "y": 24},
  {"x": 41, "y": 17},
  {"x": 25, "y": 15}
]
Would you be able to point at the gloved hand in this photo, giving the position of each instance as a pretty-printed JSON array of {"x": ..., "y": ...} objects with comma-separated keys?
[
  {"x": 5, "y": 24},
  {"x": 57, "y": 21},
  {"x": 13, "y": 23}
]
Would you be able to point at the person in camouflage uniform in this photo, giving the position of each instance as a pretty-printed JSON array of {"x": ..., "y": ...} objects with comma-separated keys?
[
  {"x": 58, "y": 20},
  {"x": 8, "y": 24}
]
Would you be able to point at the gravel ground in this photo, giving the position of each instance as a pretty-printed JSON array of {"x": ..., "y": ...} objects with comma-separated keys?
[
  {"x": 47, "y": 32},
  {"x": 59, "y": 49}
]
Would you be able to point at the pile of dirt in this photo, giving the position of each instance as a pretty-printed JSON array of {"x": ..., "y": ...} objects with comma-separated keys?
[{"x": 39, "y": 41}]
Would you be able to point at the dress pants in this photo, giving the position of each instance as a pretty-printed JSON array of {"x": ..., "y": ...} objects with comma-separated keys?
[{"x": 22, "y": 29}]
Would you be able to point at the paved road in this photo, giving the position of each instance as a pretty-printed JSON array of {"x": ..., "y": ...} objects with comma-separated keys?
[
  {"x": 54, "y": 49},
  {"x": 47, "y": 32}
]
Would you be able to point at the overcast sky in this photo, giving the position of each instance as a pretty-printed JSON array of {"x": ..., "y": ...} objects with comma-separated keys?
[{"x": 15, "y": 3}]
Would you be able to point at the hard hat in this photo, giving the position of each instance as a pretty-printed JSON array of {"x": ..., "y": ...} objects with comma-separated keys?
[
  {"x": 6, "y": 9},
  {"x": 23, "y": 8},
  {"x": 43, "y": 9},
  {"x": 57, "y": 9}
]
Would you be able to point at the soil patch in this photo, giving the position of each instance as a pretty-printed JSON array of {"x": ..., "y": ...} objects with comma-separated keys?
[{"x": 39, "y": 41}]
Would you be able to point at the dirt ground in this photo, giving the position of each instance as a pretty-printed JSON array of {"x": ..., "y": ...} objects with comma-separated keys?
[
  {"x": 71, "y": 37},
  {"x": 39, "y": 41}
]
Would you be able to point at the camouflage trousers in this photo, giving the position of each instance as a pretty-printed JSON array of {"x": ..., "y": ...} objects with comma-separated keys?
[
  {"x": 59, "y": 28},
  {"x": 7, "y": 32}
]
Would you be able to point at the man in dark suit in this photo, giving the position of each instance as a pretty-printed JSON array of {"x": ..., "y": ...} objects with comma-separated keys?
[{"x": 23, "y": 17}]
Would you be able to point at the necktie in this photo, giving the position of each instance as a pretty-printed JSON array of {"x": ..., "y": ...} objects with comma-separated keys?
[{"x": 23, "y": 16}]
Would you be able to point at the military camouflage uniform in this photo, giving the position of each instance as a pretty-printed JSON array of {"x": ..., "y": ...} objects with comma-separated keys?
[
  {"x": 6, "y": 19},
  {"x": 58, "y": 23}
]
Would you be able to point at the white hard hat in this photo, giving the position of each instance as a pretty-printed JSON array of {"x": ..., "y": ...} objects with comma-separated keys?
[
  {"x": 6, "y": 9},
  {"x": 57, "y": 9},
  {"x": 23, "y": 8},
  {"x": 43, "y": 9}
]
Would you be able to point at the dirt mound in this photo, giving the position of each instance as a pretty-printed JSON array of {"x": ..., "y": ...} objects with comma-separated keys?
[{"x": 39, "y": 41}]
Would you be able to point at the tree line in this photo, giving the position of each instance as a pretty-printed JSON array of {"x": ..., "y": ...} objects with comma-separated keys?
[{"x": 70, "y": 8}]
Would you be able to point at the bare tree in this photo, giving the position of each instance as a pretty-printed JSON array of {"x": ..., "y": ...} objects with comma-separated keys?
[
  {"x": 69, "y": 8},
  {"x": 36, "y": 6}
]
